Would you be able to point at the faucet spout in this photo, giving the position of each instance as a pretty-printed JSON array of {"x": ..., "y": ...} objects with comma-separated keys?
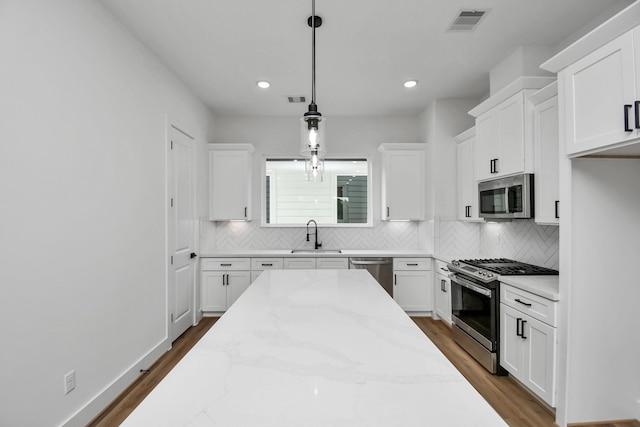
[{"x": 315, "y": 233}]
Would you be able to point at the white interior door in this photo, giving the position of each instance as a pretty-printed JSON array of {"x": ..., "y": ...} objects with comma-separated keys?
[{"x": 182, "y": 236}]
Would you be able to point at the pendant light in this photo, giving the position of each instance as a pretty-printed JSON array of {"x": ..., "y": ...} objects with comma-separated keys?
[{"x": 312, "y": 129}]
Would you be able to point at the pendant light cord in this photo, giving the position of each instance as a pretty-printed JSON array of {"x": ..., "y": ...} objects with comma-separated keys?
[{"x": 313, "y": 51}]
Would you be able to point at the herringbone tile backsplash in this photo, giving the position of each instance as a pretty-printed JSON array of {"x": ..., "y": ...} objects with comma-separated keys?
[
  {"x": 522, "y": 240},
  {"x": 249, "y": 235}
]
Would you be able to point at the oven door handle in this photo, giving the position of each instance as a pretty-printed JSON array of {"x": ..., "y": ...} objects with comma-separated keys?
[{"x": 470, "y": 285}]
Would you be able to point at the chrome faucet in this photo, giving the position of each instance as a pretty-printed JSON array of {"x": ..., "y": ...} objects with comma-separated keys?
[{"x": 316, "y": 244}]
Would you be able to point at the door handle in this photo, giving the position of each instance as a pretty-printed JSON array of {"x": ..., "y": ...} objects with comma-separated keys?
[{"x": 193, "y": 255}]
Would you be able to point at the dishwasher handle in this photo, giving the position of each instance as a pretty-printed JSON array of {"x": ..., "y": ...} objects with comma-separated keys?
[{"x": 369, "y": 262}]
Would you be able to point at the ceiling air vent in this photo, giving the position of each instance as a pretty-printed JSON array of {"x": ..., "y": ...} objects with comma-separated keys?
[
  {"x": 296, "y": 99},
  {"x": 467, "y": 20}
]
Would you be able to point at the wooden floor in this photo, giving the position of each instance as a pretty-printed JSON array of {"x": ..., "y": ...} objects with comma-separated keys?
[
  {"x": 516, "y": 406},
  {"x": 130, "y": 398}
]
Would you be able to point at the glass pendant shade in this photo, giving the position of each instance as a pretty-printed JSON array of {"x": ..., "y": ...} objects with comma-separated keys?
[{"x": 312, "y": 136}]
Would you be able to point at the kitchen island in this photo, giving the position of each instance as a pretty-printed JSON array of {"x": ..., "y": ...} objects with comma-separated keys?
[{"x": 314, "y": 348}]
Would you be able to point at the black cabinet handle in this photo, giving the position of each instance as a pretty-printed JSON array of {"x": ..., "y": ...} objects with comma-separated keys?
[
  {"x": 494, "y": 165},
  {"x": 193, "y": 255},
  {"x": 443, "y": 285},
  {"x": 395, "y": 279},
  {"x": 557, "y": 209},
  {"x": 518, "y": 325},
  {"x": 412, "y": 264},
  {"x": 267, "y": 265},
  {"x": 226, "y": 265},
  {"x": 522, "y": 333},
  {"x": 245, "y": 212},
  {"x": 637, "y": 111},
  {"x": 491, "y": 166},
  {"x": 387, "y": 211},
  {"x": 523, "y": 303},
  {"x": 467, "y": 211},
  {"x": 627, "y": 107}
]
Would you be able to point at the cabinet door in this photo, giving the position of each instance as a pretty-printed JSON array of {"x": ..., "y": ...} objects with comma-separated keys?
[
  {"x": 467, "y": 184},
  {"x": 596, "y": 89},
  {"x": 540, "y": 356},
  {"x": 510, "y": 136},
  {"x": 511, "y": 345},
  {"x": 229, "y": 185},
  {"x": 443, "y": 297},
  {"x": 214, "y": 291},
  {"x": 413, "y": 290},
  {"x": 546, "y": 140},
  {"x": 237, "y": 283},
  {"x": 403, "y": 188},
  {"x": 487, "y": 139}
]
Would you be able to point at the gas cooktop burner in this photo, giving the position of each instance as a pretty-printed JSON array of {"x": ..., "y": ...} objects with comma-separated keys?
[{"x": 507, "y": 267}]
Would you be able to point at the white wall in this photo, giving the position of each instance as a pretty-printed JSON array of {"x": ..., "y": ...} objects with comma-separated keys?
[{"x": 82, "y": 178}]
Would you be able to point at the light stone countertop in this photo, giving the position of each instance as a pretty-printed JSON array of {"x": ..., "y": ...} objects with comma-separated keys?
[
  {"x": 314, "y": 348},
  {"x": 544, "y": 286}
]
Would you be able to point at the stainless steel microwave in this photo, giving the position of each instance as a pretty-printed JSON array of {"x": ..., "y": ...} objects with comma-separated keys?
[{"x": 510, "y": 197}]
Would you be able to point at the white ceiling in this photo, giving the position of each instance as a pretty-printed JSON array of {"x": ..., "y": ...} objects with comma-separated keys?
[{"x": 365, "y": 49}]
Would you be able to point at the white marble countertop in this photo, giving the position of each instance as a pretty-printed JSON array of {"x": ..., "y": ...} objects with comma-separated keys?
[
  {"x": 314, "y": 348},
  {"x": 544, "y": 286},
  {"x": 345, "y": 253}
]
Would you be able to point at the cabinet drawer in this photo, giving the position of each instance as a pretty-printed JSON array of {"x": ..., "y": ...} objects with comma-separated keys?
[
  {"x": 225, "y": 264},
  {"x": 300, "y": 263},
  {"x": 412, "y": 264},
  {"x": 535, "y": 306},
  {"x": 332, "y": 263},
  {"x": 267, "y": 263}
]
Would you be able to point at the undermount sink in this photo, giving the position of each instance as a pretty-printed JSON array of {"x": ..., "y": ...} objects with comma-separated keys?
[{"x": 316, "y": 251}]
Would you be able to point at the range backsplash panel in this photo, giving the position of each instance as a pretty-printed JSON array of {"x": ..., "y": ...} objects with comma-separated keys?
[{"x": 521, "y": 240}]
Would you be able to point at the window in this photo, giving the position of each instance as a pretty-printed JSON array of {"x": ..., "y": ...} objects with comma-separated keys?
[{"x": 342, "y": 197}]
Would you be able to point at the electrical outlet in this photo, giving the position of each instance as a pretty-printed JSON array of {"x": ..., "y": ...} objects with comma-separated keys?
[{"x": 69, "y": 382}]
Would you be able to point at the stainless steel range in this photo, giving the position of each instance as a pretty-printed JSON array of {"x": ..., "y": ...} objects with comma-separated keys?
[{"x": 475, "y": 304}]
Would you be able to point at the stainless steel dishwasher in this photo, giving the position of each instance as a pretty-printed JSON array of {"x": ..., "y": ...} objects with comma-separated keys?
[{"x": 380, "y": 268}]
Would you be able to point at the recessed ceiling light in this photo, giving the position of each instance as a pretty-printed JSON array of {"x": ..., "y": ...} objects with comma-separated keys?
[
  {"x": 410, "y": 83},
  {"x": 263, "y": 84}
]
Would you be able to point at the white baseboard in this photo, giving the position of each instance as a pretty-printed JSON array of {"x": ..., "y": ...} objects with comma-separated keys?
[{"x": 106, "y": 396}]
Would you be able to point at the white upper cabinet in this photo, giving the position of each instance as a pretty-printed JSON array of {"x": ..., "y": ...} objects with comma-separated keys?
[
  {"x": 403, "y": 181},
  {"x": 500, "y": 135},
  {"x": 467, "y": 184},
  {"x": 602, "y": 108},
  {"x": 546, "y": 141},
  {"x": 230, "y": 168},
  {"x": 504, "y": 136}
]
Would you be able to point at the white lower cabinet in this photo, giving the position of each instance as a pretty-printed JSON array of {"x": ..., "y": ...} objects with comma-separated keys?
[
  {"x": 223, "y": 280},
  {"x": 527, "y": 344},
  {"x": 413, "y": 284},
  {"x": 442, "y": 288}
]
